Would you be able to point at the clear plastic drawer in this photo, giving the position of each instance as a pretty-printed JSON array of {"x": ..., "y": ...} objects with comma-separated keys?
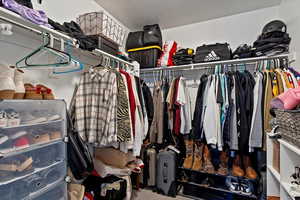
[
  {"x": 58, "y": 193},
  {"x": 35, "y": 184},
  {"x": 28, "y": 123},
  {"x": 28, "y": 163}
]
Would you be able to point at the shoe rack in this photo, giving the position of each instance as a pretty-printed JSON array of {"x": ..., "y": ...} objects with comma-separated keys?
[
  {"x": 279, "y": 181},
  {"x": 33, "y": 150}
]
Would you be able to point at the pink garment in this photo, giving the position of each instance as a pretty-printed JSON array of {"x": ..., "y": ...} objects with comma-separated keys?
[{"x": 287, "y": 100}]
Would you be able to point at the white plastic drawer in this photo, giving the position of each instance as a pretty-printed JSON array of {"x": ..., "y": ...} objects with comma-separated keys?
[
  {"x": 28, "y": 163},
  {"x": 22, "y": 137},
  {"x": 35, "y": 184},
  {"x": 57, "y": 193}
]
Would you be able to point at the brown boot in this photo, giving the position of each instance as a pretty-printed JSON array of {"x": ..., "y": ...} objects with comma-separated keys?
[
  {"x": 223, "y": 170},
  {"x": 197, "y": 164},
  {"x": 188, "y": 161},
  {"x": 236, "y": 168},
  {"x": 250, "y": 172},
  {"x": 207, "y": 165}
]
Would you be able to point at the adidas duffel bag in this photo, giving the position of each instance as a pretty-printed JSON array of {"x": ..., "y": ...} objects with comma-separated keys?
[{"x": 212, "y": 53}]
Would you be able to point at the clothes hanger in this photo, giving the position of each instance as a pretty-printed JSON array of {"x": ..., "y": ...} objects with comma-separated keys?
[
  {"x": 47, "y": 46},
  {"x": 75, "y": 65}
]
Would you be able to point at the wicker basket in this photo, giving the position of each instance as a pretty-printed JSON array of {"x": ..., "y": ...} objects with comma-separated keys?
[
  {"x": 99, "y": 23},
  {"x": 289, "y": 125}
]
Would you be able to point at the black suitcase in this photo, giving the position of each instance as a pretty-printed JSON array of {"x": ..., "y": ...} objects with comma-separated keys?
[{"x": 212, "y": 53}]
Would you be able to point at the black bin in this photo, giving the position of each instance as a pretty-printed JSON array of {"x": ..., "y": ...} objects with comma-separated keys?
[{"x": 146, "y": 56}]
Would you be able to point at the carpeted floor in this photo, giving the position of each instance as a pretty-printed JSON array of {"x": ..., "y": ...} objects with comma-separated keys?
[{"x": 149, "y": 195}]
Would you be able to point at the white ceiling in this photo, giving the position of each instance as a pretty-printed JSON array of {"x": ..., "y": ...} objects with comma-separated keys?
[{"x": 171, "y": 13}]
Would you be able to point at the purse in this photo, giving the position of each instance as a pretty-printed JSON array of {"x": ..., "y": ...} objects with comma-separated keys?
[
  {"x": 135, "y": 40},
  {"x": 212, "y": 53},
  {"x": 152, "y": 35},
  {"x": 79, "y": 157}
]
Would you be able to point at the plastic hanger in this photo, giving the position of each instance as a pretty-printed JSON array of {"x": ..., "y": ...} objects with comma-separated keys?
[
  {"x": 63, "y": 58},
  {"x": 75, "y": 65}
]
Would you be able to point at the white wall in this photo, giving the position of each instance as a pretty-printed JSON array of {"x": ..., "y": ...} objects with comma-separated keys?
[
  {"x": 236, "y": 29},
  {"x": 289, "y": 12}
]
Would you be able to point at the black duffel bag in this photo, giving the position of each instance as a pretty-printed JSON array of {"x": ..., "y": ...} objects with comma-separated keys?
[
  {"x": 152, "y": 35},
  {"x": 135, "y": 40},
  {"x": 212, "y": 53}
]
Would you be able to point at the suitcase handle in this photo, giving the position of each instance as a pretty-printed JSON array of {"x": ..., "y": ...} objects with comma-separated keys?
[{"x": 165, "y": 172}]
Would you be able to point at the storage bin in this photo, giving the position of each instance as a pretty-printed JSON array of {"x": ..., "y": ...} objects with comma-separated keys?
[
  {"x": 34, "y": 185},
  {"x": 276, "y": 156},
  {"x": 289, "y": 125},
  {"x": 146, "y": 56},
  {"x": 99, "y": 23},
  {"x": 107, "y": 45}
]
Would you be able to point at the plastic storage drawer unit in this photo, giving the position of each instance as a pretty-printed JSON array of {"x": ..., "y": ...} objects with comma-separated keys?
[
  {"x": 34, "y": 185},
  {"x": 146, "y": 56}
]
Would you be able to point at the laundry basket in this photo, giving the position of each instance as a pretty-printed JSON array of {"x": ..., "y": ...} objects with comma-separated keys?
[
  {"x": 99, "y": 23},
  {"x": 289, "y": 125}
]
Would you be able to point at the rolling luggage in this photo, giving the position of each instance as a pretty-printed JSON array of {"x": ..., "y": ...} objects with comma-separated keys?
[
  {"x": 151, "y": 157},
  {"x": 166, "y": 173}
]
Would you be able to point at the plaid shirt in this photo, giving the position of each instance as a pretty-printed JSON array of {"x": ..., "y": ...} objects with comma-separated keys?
[{"x": 94, "y": 106}]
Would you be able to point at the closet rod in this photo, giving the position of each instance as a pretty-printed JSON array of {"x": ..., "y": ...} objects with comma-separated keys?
[
  {"x": 212, "y": 64},
  {"x": 58, "y": 35}
]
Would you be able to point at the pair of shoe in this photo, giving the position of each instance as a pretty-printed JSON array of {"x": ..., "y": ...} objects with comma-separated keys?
[
  {"x": 11, "y": 83},
  {"x": 193, "y": 158},
  {"x": 9, "y": 118},
  {"x": 237, "y": 170},
  {"x": 38, "y": 92},
  {"x": 239, "y": 185}
]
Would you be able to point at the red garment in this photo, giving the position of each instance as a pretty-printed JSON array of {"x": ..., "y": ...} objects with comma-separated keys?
[
  {"x": 131, "y": 99},
  {"x": 177, "y": 108}
]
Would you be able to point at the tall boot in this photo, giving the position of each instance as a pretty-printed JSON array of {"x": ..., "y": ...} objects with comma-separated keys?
[
  {"x": 207, "y": 165},
  {"x": 223, "y": 170},
  {"x": 188, "y": 161},
  {"x": 197, "y": 164},
  {"x": 250, "y": 172},
  {"x": 236, "y": 168}
]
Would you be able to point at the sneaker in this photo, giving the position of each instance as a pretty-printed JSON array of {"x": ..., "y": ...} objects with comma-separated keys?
[
  {"x": 13, "y": 118},
  {"x": 18, "y": 135},
  {"x": 28, "y": 119},
  {"x": 3, "y": 119}
]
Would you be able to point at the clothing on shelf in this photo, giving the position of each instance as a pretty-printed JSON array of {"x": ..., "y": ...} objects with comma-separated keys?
[
  {"x": 109, "y": 109},
  {"x": 35, "y": 16}
]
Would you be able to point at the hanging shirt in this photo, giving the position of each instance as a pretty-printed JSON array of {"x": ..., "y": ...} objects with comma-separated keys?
[
  {"x": 256, "y": 132},
  {"x": 183, "y": 98},
  {"x": 95, "y": 106},
  {"x": 131, "y": 99}
]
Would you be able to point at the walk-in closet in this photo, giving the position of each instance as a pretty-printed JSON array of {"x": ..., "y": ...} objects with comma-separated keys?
[{"x": 149, "y": 100}]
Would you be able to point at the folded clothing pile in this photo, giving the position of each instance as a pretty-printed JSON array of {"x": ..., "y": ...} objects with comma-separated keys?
[
  {"x": 183, "y": 57},
  {"x": 24, "y": 9},
  {"x": 273, "y": 40},
  {"x": 73, "y": 29}
]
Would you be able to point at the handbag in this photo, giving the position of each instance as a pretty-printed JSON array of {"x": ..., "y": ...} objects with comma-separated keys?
[
  {"x": 212, "y": 53},
  {"x": 152, "y": 35},
  {"x": 79, "y": 157},
  {"x": 135, "y": 40}
]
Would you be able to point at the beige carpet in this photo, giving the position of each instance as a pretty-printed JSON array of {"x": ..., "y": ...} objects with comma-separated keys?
[{"x": 149, "y": 195}]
